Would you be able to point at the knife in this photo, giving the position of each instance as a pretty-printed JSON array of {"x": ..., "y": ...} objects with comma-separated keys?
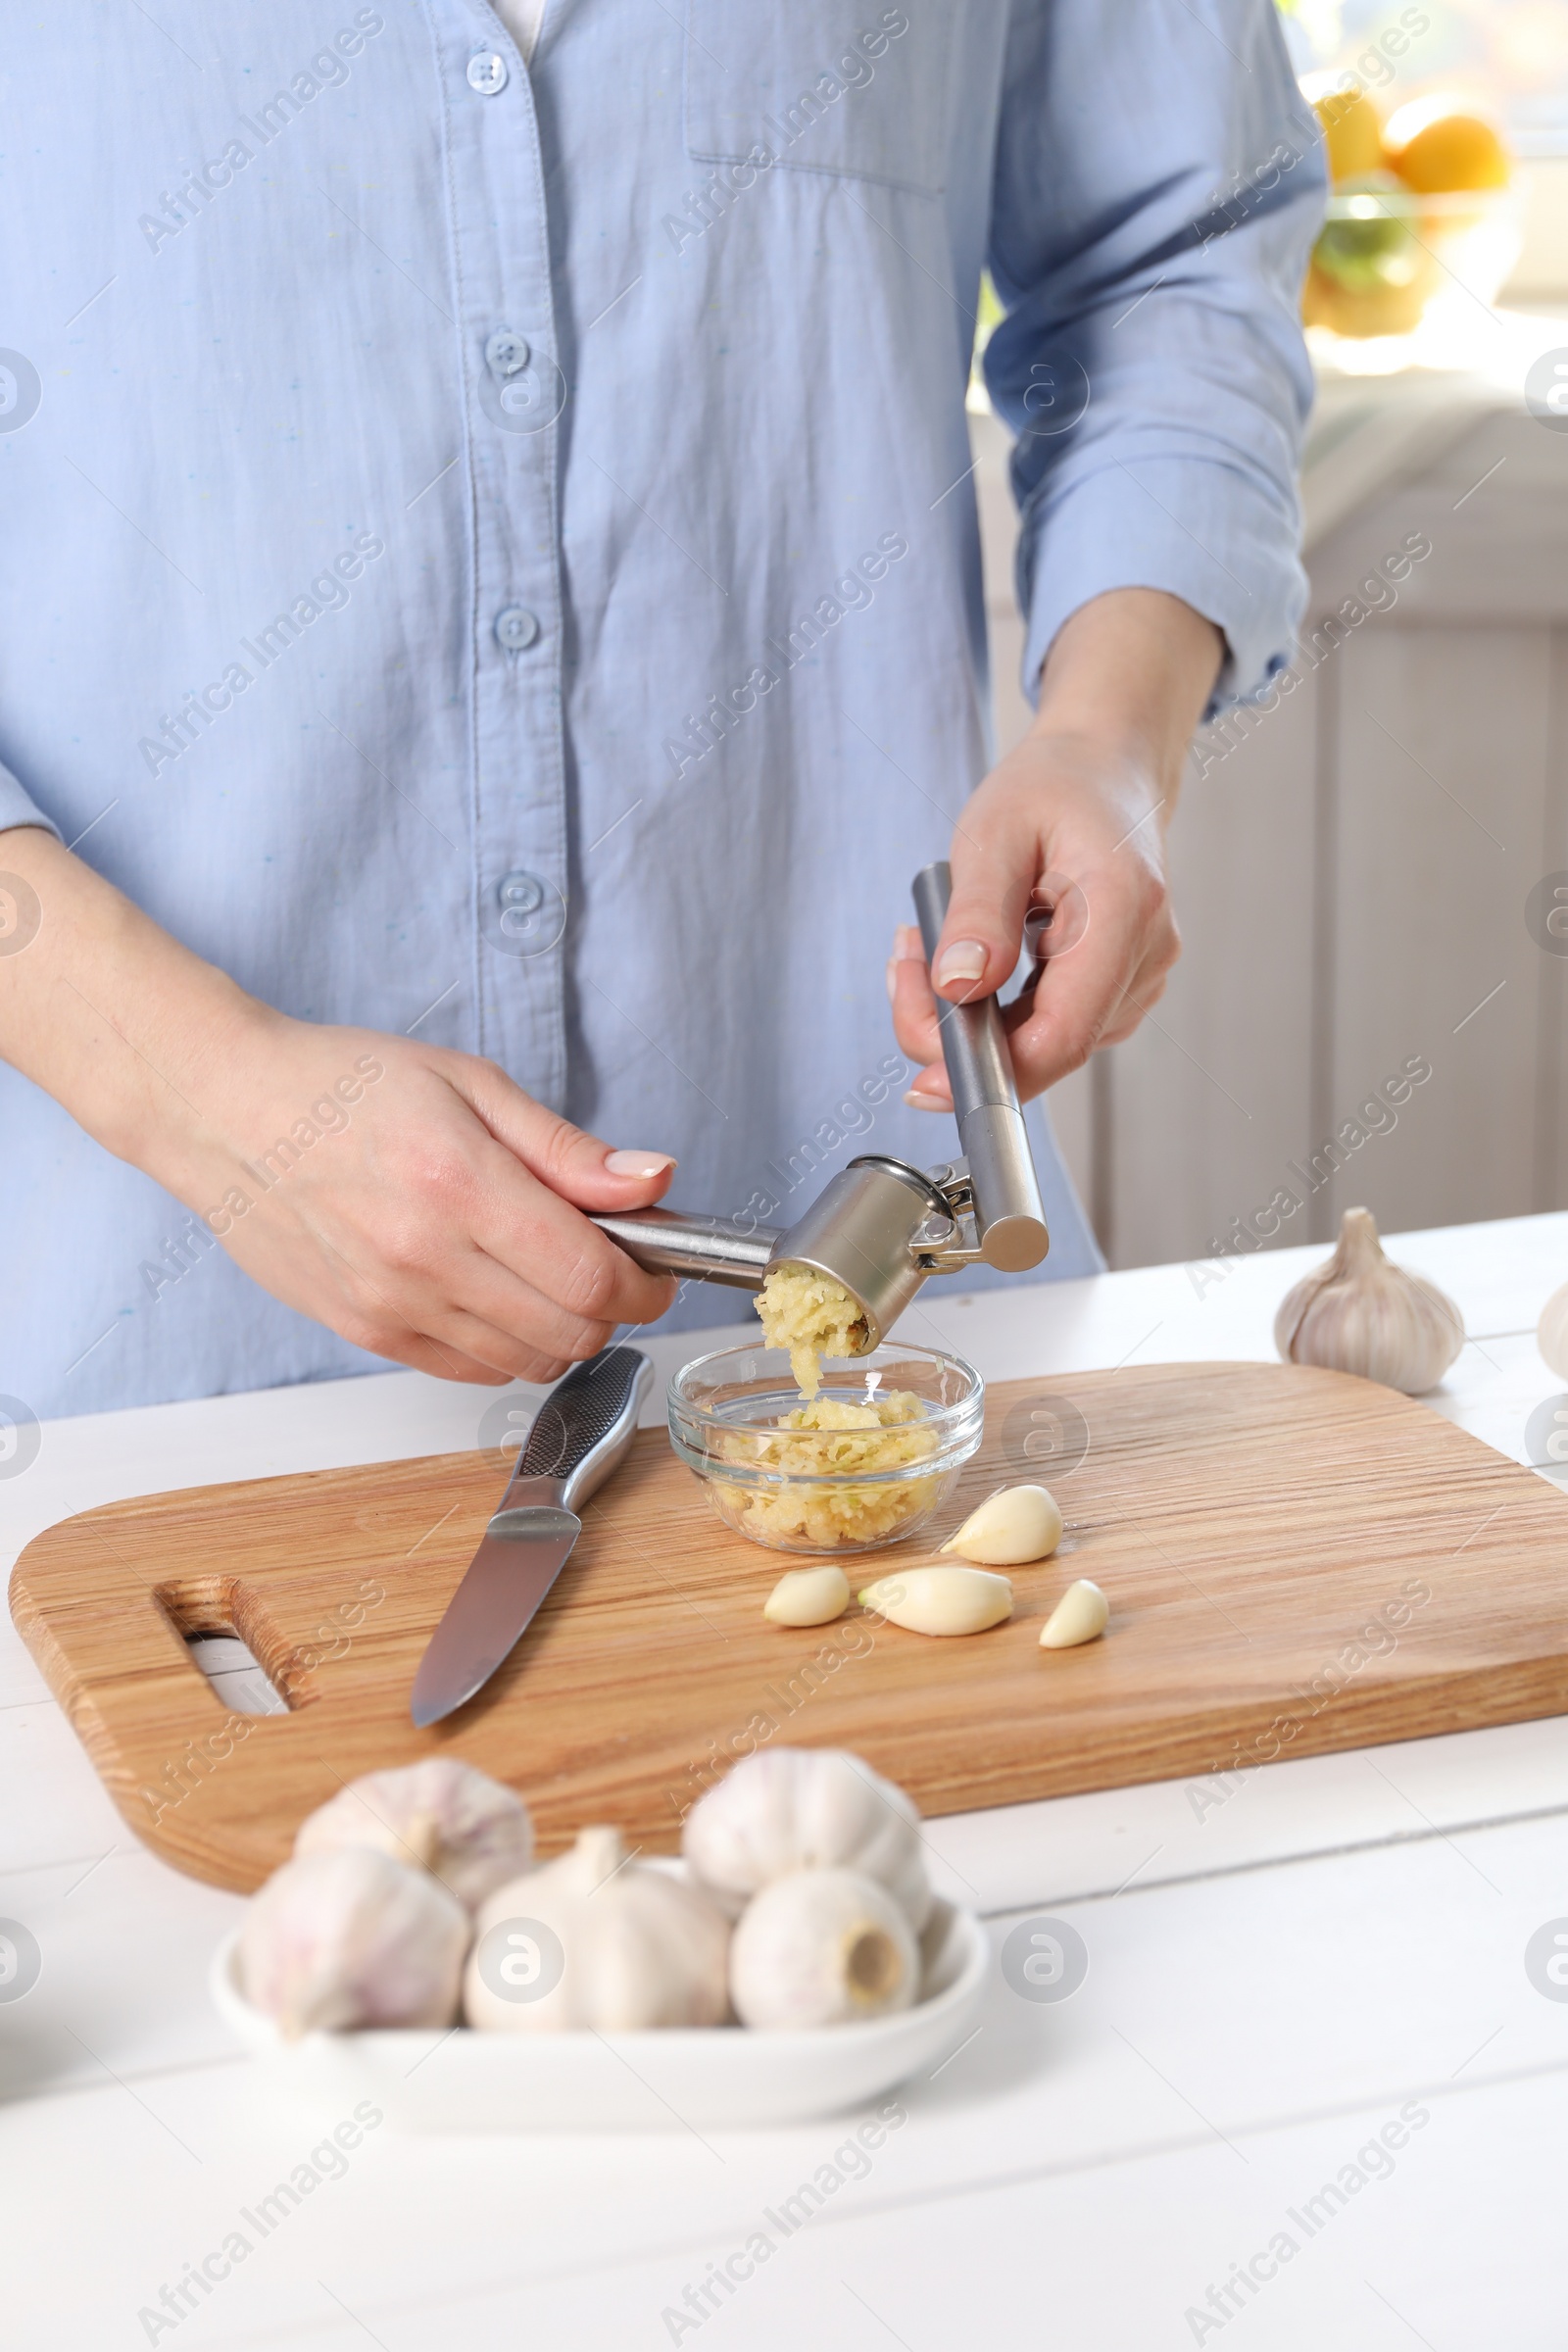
[{"x": 580, "y": 1433}]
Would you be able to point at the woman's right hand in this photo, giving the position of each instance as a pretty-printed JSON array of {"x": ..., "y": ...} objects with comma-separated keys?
[
  {"x": 436, "y": 1217},
  {"x": 411, "y": 1199}
]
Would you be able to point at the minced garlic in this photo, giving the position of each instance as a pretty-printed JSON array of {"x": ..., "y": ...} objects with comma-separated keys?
[
  {"x": 883, "y": 1433},
  {"x": 812, "y": 1317}
]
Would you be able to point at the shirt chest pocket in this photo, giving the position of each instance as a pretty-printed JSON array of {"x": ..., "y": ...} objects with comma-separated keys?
[{"x": 845, "y": 87}]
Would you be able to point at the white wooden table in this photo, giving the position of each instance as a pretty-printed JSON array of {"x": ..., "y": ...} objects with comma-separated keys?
[{"x": 1274, "y": 1982}]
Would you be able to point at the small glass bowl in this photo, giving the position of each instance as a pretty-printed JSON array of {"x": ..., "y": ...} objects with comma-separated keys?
[{"x": 786, "y": 1487}]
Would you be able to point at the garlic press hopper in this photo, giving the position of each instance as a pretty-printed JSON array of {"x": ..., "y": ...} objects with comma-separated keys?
[{"x": 880, "y": 1227}]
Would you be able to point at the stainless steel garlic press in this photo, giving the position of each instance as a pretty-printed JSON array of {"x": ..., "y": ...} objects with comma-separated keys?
[{"x": 880, "y": 1227}]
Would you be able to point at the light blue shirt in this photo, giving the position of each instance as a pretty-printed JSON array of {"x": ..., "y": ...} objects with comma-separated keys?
[{"x": 490, "y": 552}]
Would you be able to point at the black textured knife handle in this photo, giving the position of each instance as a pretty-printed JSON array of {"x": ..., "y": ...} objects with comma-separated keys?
[{"x": 580, "y": 1412}]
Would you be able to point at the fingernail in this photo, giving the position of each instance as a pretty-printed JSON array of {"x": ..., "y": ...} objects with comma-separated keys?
[
  {"x": 637, "y": 1163},
  {"x": 925, "y": 1102},
  {"x": 908, "y": 943},
  {"x": 965, "y": 959},
  {"x": 892, "y": 978}
]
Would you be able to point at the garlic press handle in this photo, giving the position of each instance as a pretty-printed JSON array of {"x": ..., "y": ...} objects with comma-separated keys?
[
  {"x": 664, "y": 1241},
  {"x": 1008, "y": 1213}
]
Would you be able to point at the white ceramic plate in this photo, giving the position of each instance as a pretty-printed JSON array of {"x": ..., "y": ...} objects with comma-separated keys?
[{"x": 463, "y": 2081}]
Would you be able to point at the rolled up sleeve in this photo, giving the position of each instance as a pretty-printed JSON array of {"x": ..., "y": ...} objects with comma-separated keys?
[
  {"x": 18, "y": 808},
  {"x": 1160, "y": 181}
]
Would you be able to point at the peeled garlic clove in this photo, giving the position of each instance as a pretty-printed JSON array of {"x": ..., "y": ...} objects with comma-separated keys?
[
  {"x": 807, "y": 1596},
  {"x": 1552, "y": 1332},
  {"x": 786, "y": 1809},
  {"x": 1081, "y": 1614},
  {"x": 440, "y": 1815},
  {"x": 635, "y": 1948},
  {"x": 1358, "y": 1313},
  {"x": 1011, "y": 1525},
  {"x": 353, "y": 1938},
  {"x": 821, "y": 1947},
  {"x": 941, "y": 1600}
]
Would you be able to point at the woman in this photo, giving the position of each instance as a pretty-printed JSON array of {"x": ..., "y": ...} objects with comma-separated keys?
[{"x": 493, "y": 624}]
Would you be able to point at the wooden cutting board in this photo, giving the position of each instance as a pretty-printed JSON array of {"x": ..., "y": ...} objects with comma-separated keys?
[{"x": 1296, "y": 1561}]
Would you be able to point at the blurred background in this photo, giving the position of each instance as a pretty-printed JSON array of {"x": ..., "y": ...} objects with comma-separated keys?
[{"x": 1367, "y": 874}]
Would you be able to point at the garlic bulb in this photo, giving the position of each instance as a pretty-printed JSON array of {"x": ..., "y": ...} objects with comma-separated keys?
[
  {"x": 1082, "y": 1614},
  {"x": 624, "y": 1948},
  {"x": 936, "y": 1937},
  {"x": 353, "y": 1938},
  {"x": 1552, "y": 1332},
  {"x": 786, "y": 1809},
  {"x": 1358, "y": 1313},
  {"x": 439, "y": 1815},
  {"x": 941, "y": 1600},
  {"x": 822, "y": 1947},
  {"x": 1011, "y": 1525},
  {"x": 807, "y": 1596}
]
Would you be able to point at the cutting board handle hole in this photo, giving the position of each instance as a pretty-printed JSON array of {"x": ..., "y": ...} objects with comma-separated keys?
[
  {"x": 233, "y": 1642},
  {"x": 237, "y": 1677}
]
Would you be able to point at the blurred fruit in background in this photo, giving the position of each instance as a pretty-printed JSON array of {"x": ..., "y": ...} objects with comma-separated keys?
[
  {"x": 1370, "y": 272},
  {"x": 1352, "y": 134},
  {"x": 1419, "y": 204},
  {"x": 1438, "y": 146}
]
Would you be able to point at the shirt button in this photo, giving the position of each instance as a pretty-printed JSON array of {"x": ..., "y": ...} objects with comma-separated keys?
[
  {"x": 517, "y": 628},
  {"x": 521, "y": 893},
  {"x": 505, "y": 354},
  {"x": 487, "y": 71}
]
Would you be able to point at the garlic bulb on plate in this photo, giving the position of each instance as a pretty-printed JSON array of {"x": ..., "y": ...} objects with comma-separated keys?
[
  {"x": 1551, "y": 1332},
  {"x": 822, "y": 1947},
  {"x": 352, "y": 1938},
  {"x": 630, "y": 1947},
  {"x": 937, "y": 1940},
  {"x": 1360, "y": 1314},
  {"x": 439, "y": 1815},
  {"x": 941, "y": 1600},
  {"x": 804, "y": 1808},
  {"x": 1014, "y": 1525}
]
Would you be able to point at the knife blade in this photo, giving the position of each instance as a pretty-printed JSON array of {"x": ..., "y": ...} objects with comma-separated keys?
[{"x": 580, "y": 1433}]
